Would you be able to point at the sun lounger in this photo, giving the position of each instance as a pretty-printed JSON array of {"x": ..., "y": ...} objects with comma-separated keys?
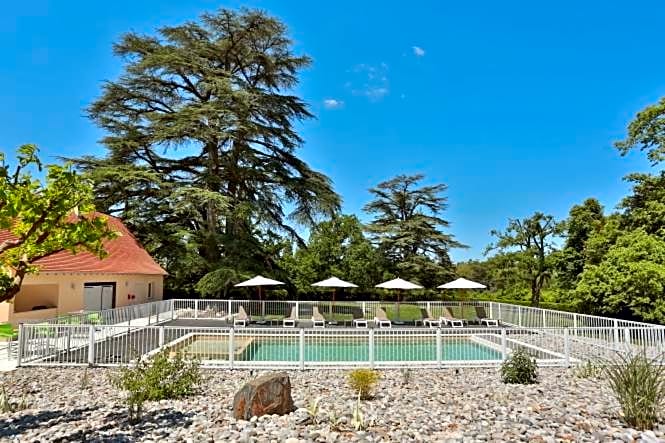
[
  {"x": 449, "y": 319},
  {"x": 429, "y": 320},
  {"x": 360, "y": 322},
  {"x": 241, "y": 318},
  {"x": 317, "y": 319},
  {"x": 381, "y": 319},
  {"x": 290, "y": 321},
  {"x": 483, "y": 318}
]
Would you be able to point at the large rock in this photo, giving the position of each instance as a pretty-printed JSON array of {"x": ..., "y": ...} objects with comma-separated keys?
[{"x": 268, "y": 394}]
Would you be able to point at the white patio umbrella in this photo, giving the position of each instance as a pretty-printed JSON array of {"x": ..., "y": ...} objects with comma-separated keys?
[
  {"x": 334, "y": 282},
  {"x": 462, "y": 283},
  {"x": 259, "y": 281},
  {"x": 400, "y": 285}
]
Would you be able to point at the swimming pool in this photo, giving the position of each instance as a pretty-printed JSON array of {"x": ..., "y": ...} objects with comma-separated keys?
[{"x": 386, "y": 349}]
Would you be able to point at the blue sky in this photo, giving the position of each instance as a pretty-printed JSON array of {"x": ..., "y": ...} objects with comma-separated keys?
[{"x": 514, "y": 105}]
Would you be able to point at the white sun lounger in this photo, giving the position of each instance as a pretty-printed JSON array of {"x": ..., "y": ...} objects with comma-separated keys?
[
  {"x": 448, "y": 319},
  {"x": 381, "y": 319},
  {"x": 318, "y": 321},
  {"x": 290, "y": 321},
  {"x": 431, "y": 321},
  {"x": 241, "y": 318}
]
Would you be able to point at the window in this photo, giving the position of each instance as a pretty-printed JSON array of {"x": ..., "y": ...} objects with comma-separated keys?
[{"x": 149, "y": 290}]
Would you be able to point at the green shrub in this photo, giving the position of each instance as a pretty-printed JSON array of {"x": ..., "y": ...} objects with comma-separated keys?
[
  {"x": 639, "y": 385},
  {"x": 519, "y": 368},
  {"x": 160, "y": 378},
  {"x": 363, "y": 382}
]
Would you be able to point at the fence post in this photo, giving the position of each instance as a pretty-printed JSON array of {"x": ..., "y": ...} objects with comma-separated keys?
[
  {"x": 172, "y": 309},
  {"x": 439, "y": 347},
  {"x": 566, "y": 348},
  {"x": 232, "y": 334},
  {"x": 196, "y": 309},
  {"x": 229, "y": 307},
  {"x": 491, "y": 309},
  {"x": 21, "y": 333},
  {"x": 297, "y": 309},
  {"x": 544, "y": 319},
  {"x": 363, "y": 307},
  {"x": 429, "y": 306},
  {"x": 499, "y": 306},
  {"x": 616, "y": 333},
  {"x": 371, "y": 348},
  {"x": 161, "y": 336},
  {"x": 519, "y": 316},
  {"x": 504, "y": 344},
  {"x": 91, "y": 345},
  {"x": 575, "y": 324},
  {"x": 302, "y": 348},
  {"x": 626, "y": 337}
]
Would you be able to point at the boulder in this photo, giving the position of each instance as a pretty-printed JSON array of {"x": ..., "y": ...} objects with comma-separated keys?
[{"x": 268, "y": 394}]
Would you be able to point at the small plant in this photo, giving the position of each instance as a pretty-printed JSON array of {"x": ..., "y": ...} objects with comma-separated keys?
[
  {"x": 519, "y": 368},
  {"x": 406, "y": 376},
  {"x": 358, "y": 418},
  {"x": 6, "y": 404},
  {"x": 335, "y": 420},
  {"x": 588, "y": 369},
  {"x": 638, "y": 383},
  {"x": 162, "y": 377},
  {"x": 313, "y": 410},
  {"x": 363, "y": 382},
  {"x": 85, "y": 380}
]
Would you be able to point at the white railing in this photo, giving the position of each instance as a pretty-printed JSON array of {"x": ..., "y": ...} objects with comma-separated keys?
[
  {"x": 145, "y": 313},
  {"x": 343, "y": 312},
  {"x": 300, "y": 348}
]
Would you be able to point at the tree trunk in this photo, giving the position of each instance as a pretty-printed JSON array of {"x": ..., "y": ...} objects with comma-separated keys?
[{"x": 535, "y": 292}]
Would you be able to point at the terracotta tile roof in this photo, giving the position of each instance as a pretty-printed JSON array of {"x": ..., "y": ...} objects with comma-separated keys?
[{"x": 125, "y": 256}]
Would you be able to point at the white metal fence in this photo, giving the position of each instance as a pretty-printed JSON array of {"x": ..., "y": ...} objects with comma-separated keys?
[
  {"x": 302, "y": 348},
  {"x": 119, "y": 336}
]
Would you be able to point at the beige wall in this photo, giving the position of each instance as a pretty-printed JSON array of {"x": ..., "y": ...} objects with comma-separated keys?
[
  {"x": 70, "y": 291},
  {"x": 36, "y": 295}
]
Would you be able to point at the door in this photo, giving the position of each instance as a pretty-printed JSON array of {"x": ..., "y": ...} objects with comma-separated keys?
[{"x": 98, "y": 296}]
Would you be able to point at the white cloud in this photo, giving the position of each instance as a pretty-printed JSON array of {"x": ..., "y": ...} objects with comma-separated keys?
[
  {"x": 370, "y": 81},
  {"x": 418, "y": 51},
  {"x": 331, "y": 103}
]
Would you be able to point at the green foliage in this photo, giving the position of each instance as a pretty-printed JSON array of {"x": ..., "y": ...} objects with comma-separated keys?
[
  {"x": 159, "y": 378},
  {"x": 336, "y": 247},
  {"x": 647, "y": 133},
  {"x": 630, "y": 280},
  {"x": 222, "y": 88},
  {"x": 44, "y": 217},
  {"x": 529, "y": 241},
  {"x": 583, "y": 221},
  {"x": 519, "y": 368},
  {"x": 363, "y": 381},
  {"x": 408, "y": 229},
  {"x": 639, "y": 384}
]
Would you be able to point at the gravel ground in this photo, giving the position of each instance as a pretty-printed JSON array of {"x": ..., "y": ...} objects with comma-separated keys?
[{"x": 435, "y": 405}]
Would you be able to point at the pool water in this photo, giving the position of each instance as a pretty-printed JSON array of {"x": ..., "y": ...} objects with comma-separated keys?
[{"x": 265, "y": 349}]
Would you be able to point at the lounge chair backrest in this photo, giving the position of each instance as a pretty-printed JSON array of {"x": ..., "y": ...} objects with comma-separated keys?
[
  {"x": 241, "y": 312},
  {"x": 381, "y": 314},
  {"x": 480, "y": 312},
  {"x": 447, "y": 312},
  {"x": 315, "y": 313},
  {"x": 293, "y": 313}
]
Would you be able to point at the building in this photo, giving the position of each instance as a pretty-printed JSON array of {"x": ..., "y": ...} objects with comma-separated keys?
[{"x": 69, "y": 283}]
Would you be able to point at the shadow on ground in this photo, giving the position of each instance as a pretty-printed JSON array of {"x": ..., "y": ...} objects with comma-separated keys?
[{"x": 114, "y": 426}]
